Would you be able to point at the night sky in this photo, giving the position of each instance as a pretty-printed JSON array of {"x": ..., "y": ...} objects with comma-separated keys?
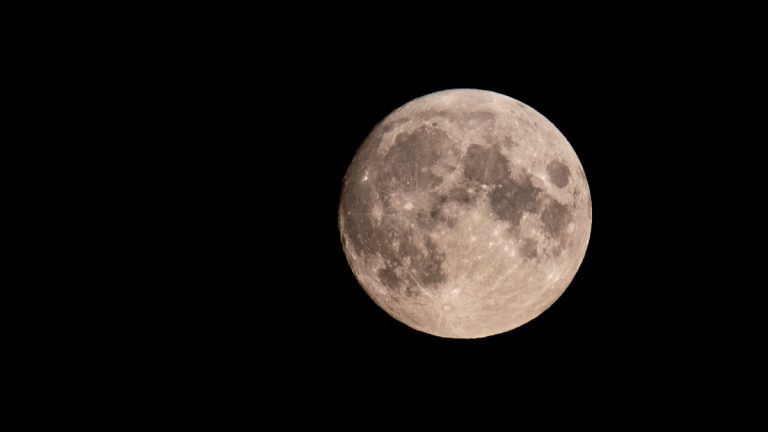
[{"x": 270, "y": 291}]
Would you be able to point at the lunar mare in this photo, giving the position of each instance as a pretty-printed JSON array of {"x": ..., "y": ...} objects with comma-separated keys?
[{"x": 465, "y": 213}]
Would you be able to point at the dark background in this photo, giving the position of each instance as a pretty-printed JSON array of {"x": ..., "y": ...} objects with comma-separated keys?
[
  {"x": 642, "y": 130},
  {"x": 255, "y": 285},
  {"x": 183, "y": 251}
]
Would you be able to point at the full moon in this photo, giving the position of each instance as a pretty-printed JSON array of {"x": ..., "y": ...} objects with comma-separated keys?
[{"x": 465, "y": 213}]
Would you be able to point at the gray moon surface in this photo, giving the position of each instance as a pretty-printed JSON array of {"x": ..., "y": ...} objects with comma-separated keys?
[{"x": 465, "y": 213}]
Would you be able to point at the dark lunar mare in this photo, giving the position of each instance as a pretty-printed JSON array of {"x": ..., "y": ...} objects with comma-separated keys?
[
  {"x": 510, "y": 197},
  {"x": 559, "y": 173},
  {"x": 411, "y": 258}
]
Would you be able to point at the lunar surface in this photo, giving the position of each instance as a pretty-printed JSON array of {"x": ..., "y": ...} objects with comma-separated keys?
[{"x": 465, "y": 214}]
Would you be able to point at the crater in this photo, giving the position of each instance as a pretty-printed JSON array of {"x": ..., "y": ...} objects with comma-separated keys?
[
  {"x": 485, "y": 165},
  {"x": 511, "y": 198},
  {"x": 559, "y": 173}
]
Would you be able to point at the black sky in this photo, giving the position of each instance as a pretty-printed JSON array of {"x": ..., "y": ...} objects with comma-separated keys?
[
  {"x": 190, "y": 163},
  {"x": 271, "y": 138},
  {"x": 629, "y": 301}
]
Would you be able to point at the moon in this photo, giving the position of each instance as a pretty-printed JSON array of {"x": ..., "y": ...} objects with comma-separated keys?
[{"x": 465, "y": 213}]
